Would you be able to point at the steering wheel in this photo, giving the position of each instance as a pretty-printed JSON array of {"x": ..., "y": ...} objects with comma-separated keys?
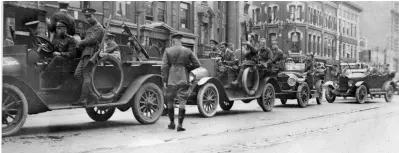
[{"x": 45, "y": 44}]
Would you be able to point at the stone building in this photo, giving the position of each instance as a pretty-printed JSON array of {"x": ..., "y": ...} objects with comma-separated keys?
[
  {"x": 307, "y": 27},
  {"x": 380, "y": 25},
  {"x": 156, "y": 20}
]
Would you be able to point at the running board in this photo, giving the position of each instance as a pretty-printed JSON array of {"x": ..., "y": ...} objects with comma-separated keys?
[
  {"x": 70, "y": 106},
  {"x": 243, "y": 98}
]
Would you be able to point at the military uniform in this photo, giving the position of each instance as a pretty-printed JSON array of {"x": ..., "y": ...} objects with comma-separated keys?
[
  {"x": 278, "y": 59},
  {"x": 111, "y": 47},
  {"x": 66, "y": 46},
  {"x": 251, "y": 58},
  {"x": 92, "y": 40},
  {"x": 175, "y": 65},
  {"x": 266, "y": 55},
  {"x": 309, "y": 69},
  {"x": 62, "y": 15},
  {"x": 227, "y": 60}
]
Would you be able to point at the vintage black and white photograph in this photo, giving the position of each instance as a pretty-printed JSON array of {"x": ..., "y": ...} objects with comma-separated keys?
[{"x": 200, "y": 76}]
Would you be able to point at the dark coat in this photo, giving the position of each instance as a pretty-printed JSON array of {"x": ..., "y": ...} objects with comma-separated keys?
[
  {"x": 92, "y": 40},
  {"x": 66, "y": 45},
  {"x": 174, "y": 60}
]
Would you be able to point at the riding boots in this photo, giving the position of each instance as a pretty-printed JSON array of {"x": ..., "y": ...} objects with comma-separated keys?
[
  {"x": 171, "y": 113},
  {"x": 182, "y": 113}
]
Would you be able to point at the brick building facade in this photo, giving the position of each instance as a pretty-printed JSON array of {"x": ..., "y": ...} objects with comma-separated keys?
[{"x": 307, "y": 27}]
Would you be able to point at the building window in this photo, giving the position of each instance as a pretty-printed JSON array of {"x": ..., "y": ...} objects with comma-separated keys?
[
  {"x": 79, "y": 4},
  {"x": 314, "y": 45},
  {"x": 219, "y": 5},
  {"x": 309, "y": 43},
  {"x": 120, "y": 8},
  {"x": 272, "y": 13},
  {"x": 149, "y": 13},
  {"x": 161, "y": 11},
  {"x": 319, "y": 50},
  {"x": 184, "y": 15},
  {"x": 246, "y": 7},
  {"x": 325, "y": 45},
  {"x": 310, "y": 15},
  {"x": 257, "y": 16},
  {"x": 314, "y": 17},
  {"x": 292, "y": 12},
  {"x": 296, "y": 46},
  {"x": 298, "y": 13},
  {"x": 272, "y": 36}
]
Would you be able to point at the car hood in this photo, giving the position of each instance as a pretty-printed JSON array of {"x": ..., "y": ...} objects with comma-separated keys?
[{"x": 291, "y": 74}]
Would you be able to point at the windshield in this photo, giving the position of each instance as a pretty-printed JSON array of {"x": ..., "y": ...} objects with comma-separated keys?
[{"x": 295, "y": 66}]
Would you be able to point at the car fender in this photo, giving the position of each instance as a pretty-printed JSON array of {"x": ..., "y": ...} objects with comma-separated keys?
[
  {"x": 35, "y": 103},
  {"x": 136, "y": 84},
  {"x": 216, "y": 82},
  {"x": 359, "y": 83},
  {"x": 330, "y": 84},
  {"x": 272, "y": 81}
]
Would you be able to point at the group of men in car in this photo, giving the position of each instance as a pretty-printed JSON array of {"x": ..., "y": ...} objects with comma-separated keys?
[
  {"x": 66, "y": 44},
  {"x": 254, "y": 54}
]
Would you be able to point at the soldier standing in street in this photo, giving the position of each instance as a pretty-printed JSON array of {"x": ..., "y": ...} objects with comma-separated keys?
[
  {"x": 93, "y": 38},
  {"x": 174, "y": 71},
  {"x": 61, "y": 15}
]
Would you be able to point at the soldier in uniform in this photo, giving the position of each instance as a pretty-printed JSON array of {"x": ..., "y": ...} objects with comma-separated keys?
[
  {"x": 92, "y": 40},
  {"x": 278, "y": 56},
  {"x": 111, "y": 47},
  {"x": 251, "y": 57},
  {"x": 175, "y": 65},
  {"x": 65, "y": 51},
  {"x": 309, "y": 68},
  {"x": 61, "y": 15},
  {"x": 265, "y": 54},
  {"x": 227, "y": 61},
  {"x": 214, "y": 46}
]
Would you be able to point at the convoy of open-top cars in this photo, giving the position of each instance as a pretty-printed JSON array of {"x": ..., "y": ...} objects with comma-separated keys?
[{"x": 125, "y": 84}]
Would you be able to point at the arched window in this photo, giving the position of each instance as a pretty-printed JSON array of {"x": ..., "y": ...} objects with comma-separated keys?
[
  {"x": 318, "y": 45},
  {"x": 272, "y": 36},
  {"x": 296, "y": 38},
  {"x": 309, "y": 44}
]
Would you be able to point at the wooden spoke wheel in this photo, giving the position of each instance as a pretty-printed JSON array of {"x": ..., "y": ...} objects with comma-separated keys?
[
  {"x": 148, "y": 103},
  {"x": 14, "y": 109},
  {"x": 303, "y": 95},
  {"x": 100, "y": 114},
  {"x": 226, "y": 105},
  {"x": 361, "y": 94},
  {"x": 208, "y": 100},
  {"x": 266, "y": 101}
]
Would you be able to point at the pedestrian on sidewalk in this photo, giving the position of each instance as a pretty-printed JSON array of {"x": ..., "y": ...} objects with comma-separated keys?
[{"x": 175, "y": 68}]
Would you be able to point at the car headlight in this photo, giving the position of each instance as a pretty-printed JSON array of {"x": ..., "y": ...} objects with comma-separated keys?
[
  {"x": 191, "y": 77},
  {"x": 350, "y": 83},
  {"x": 291, "y": 81}
]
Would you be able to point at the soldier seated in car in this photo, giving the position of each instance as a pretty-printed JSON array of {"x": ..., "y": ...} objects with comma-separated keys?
[
  {"x": 227, "y": 61},
  {"x": 278, "y": 57},
  {"x": 251, "y": 57},
  {"x": 111, "y": 48},
  {"x": 309, "y": 69},
  {"x": 265, "y": 54},
  {"x": 65, "y": 51}
]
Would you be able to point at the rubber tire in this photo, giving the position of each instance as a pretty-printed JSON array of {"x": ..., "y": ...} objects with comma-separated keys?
[
  {"x": 100, "y": 117},
  {"x": 332, "y": 98},
  {"x": 261, "y": 100},
  {"x": 117, "y": 89},
  {"x": 320, "y": 98},
  {"x": 136, "y": 103},
  {"x": 247, "y": 101},
  {"x": 245, "y": 78},
  {"x": 200, "y": 97},
  {"x": 283, "y": 101},
  {"x": 361, "y": 101},
  {"x": 387, "y": 97},
  {"x": 226, "y": 107},
  {"x": 24, "y": 103},
  {"x": 302, "y": 103}
]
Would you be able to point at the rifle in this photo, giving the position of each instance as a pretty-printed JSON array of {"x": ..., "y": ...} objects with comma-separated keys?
[
  {"x": 129, "y": 33},
  {"x": 94, "y": 57}
]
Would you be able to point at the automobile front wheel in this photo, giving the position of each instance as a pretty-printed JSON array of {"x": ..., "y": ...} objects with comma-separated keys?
[
  {"x": 266, "y": 101},
  {"x": 208, "y": 100},
  {"x": 100, "y": 114},
  {"x": 14, "y": 109},
  {"x": 389, "y": 94},
  {"x": 148, "y": 103},
  {"x": 302, "y": 95},
  {"x": 361, "y": 94}
]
